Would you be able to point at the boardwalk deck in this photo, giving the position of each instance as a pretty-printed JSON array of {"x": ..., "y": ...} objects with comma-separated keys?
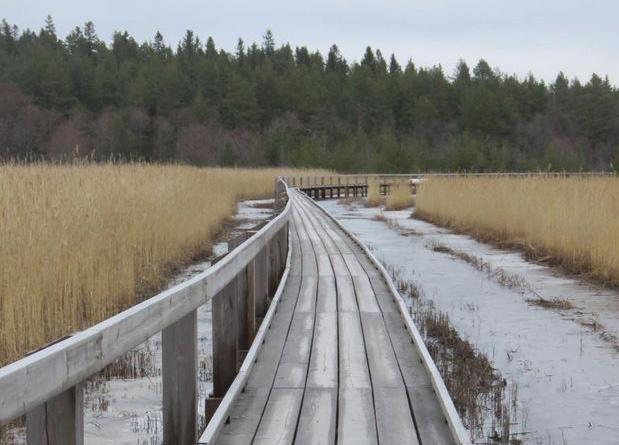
[{"x": 337, "y": 364}]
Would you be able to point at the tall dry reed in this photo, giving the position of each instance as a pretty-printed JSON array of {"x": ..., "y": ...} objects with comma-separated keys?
[
  {"x": 79, "y": 242},
  {"x": 374, "y": 199},
  {"x": 400, "y": 196},
  {"x": 573, "y": 219}
]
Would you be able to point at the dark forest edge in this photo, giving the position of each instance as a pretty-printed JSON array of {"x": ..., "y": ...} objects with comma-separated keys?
[{"x": 275, "y": 105}]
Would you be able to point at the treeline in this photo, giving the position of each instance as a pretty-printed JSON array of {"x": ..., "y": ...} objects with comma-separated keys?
[{"x": 266, "y": 104}]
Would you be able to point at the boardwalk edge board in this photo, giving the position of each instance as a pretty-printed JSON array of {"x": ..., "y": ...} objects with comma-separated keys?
[
  {"x": 36, "y": 379},
  {"x": 221, "y": 414},
  {"x": 459, "y": 433}
]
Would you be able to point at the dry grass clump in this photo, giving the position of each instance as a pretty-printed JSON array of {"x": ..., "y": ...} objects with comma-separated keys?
[
  {"x": 374, "y": 199},
  {"x": 573, "y": 220},
  {"x": 79, "y": 242},
  {"x": 400, "y": 197},
  {"x": 552, "y": 303}
]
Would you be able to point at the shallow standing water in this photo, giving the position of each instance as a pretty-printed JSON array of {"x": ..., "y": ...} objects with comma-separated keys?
[
  {"x": 561, "y": 365},
  {"x": 123, "y": 405}
]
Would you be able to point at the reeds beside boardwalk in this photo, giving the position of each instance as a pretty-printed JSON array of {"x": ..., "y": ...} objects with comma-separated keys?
[
  {"x": 374, "y": 198},
  {"x": 79, "y": 243},
  {"x": 570, "y": 220},
  {"x": 400, "y": 196}
]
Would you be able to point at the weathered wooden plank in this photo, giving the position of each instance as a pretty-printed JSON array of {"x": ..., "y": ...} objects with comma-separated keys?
[
  {"x": 365, "y": 294},
  {"x": 430, "y": 420},
  {"x": 245, "y": 416},
  {"x": 353, "y": 366},
  {"x": 323, "y": 367},
  {"x": 356, "y": 270},
  {"x": 60, "y": 421},
  {"x": 180, "y": 376},
  {"x": 327, "y": 295},
  {"x": 307, "y": 293},
  {"x": 279, "y": 420},
  {"x": 357, "y": 424},
  {"x": 317, "y": 421},
  {"x": 393, "y": 417},
  {"x": 347, "y": 301}
]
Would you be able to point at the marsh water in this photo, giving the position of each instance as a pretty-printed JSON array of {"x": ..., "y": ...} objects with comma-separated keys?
[{"x": 559, "y": 365}]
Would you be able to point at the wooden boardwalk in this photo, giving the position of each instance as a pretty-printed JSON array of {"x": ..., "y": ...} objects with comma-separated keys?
[{"x": 337, "y": 364}]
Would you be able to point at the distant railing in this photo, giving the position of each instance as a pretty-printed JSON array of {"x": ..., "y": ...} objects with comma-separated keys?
[
  {"x": 47, "y": 386},
  {"x": 387, "y": 178}
]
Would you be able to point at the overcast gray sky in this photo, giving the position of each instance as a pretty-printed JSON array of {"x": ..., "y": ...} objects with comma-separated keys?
[{"x": 518, "y": 36}]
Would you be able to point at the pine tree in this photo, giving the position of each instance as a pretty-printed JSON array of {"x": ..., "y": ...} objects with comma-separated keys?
[
  {"x": 159, "y": 44},
  {"x": 394, "y": 66},
  {"x": 268, "y": 43},
  {"x": 50, "y": 28}
]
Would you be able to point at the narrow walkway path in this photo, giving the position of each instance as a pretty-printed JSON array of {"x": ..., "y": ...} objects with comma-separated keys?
[{"x": 337, "y": 365}]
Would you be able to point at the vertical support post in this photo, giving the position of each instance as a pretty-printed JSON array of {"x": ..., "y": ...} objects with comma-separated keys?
[
  {"x": 225, "y": 340},
  {"x": 59, "y": 421},
  {"x": 179, "y": 343},
  {"x": 241, "y": 296},
  {"x": 251, "y": 301},
  {"x": 262, "y": 283}
]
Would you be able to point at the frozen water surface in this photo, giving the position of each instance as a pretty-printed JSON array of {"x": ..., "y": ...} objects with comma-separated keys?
[{"x": 564, "y": 365}]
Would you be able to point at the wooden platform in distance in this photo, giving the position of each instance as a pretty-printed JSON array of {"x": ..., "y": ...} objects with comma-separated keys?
[{"x": 337, "y": 364}]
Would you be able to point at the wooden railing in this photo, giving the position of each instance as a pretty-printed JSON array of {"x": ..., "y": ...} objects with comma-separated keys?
[
  {"x": 47, "y": 386},
  {"x": 363, "y": 179}
]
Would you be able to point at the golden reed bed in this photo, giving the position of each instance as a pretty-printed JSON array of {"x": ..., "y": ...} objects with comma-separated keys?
[
  {"x": 575, "y": 220},
  {"x": 79, "y": 242}
]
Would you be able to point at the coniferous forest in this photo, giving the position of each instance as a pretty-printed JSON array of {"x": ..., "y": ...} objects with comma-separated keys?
[{"x": 272, "y": 104}]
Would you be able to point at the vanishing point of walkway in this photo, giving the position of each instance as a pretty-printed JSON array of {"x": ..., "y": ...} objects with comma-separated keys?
[{"x": 337, "y": 364}]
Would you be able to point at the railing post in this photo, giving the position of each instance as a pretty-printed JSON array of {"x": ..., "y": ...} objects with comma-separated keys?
[
  {"x": 251, "y": 301},
  {"x": 241, "y": 294},
  {"x": 179, "y": 375},
  {"x": 225, "y": 344},
  {"x": 59, "y": 421},
  {"x": 262, "y": 278}
]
